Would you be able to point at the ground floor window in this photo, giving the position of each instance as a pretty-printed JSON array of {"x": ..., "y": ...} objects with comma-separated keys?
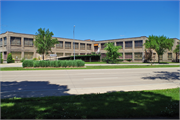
[
  {"x": 16, "y": 55},
  {"x": 169, "y": 56},
  {"x": 75, "y": 53},
  {"x": 137, "y": 56},
  {"x": 82, "y": 53},
  {"x": 121, "y": 57},
  {"x": 28, "y": 55},
  {"x": 59, "y": 54},
  {"x": 128, "y": 55},
  {"x": 160, "y": 57},
  {"x": 67, "y": 54}
]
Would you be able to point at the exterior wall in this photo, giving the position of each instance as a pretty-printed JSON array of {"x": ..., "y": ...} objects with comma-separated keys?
[{"x": 23, "y": 49}]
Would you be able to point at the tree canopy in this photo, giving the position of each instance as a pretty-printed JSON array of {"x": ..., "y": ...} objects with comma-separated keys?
[
  {"x": 44, "y": 42},
  {"x": 112, "y": 51},
  {"x": 159, "y": 43},
  {"x": 177, "y": 49}
]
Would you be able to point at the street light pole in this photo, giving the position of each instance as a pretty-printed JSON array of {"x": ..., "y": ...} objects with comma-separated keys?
[{"x": 73, "y": 41}]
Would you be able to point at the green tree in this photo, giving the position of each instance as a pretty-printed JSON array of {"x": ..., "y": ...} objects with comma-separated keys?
[
  {"x": 112, "y": 52},
  {"x": 176, "y": 51},
  {"x": 44, "y": 42},
  {"x": 159, "y": 43}
]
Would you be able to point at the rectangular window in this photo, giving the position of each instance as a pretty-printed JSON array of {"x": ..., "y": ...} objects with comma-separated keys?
[
  {"x": 59, "y": 54},
  {"x": 28, "y": 42},
  {"x": 137, "y": 56},
  {"x": 138, "y": 44},
  {"x": 160, "y": 57},
  {"x": 82, "y": 53},
  {"x": 0, "y": 42},
  {"x": 75, "y": 53},
  {"x": 169, "y": 56},
  {"x": 59, "y": 45},
  {"x": 88, "y": 46},
  {"x": 82, "y": 46},
  {"x": 5, "y": 41},
  {"x": 16, "y": 55},
  {"x": 119, "y": 44},
  {"x": 128, "y": 55},
  {"x": 16, "y": 41},
  {"x": 102, "y": 46},
  {"x": 103, "y": 55},
  {"x": 67, "y": 54},
  {"x": 128, "y": 45},
  {"x": 76, "y": 45},
  {"x": 67, "y": 45},
  {"x": 28, "y": 55}
]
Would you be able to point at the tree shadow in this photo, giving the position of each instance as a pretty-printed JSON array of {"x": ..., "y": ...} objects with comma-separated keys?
[
  {"x": 31, "y": 89},
  {"x": 164, "y": 75},
  {"x": 140, "y": 104}
]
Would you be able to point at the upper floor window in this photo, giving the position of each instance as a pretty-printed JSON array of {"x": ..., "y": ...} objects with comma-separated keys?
[
  {"x": 67, "y": 45},
  {"x": 128, "y": 44},
  {"x": 59, "y": 45},
  {"x": 76, "y": 45},
  {"x": 28, "y": 42},
  {"x": 15, "y": 41},
  {"x": 5, "y": 41},
  {"x": 138, "y": 44},
  {"x": 119, "y": 44},
  {"x": 0, "y": 42},
  {"x": 82, "y": 46},
  {"x": 88, "y": 46},
  {"x": 102, "y": 46}
]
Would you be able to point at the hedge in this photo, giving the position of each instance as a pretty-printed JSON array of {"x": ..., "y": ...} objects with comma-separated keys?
[{"x": 58, "y": 63}]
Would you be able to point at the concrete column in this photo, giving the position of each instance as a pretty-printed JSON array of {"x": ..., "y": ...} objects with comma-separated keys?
[
  {"x": 63, "y": 45},
  {"x": 123, "y": 55},
  {"x": 99, "y": 47},
  {"x": 2, "y": 42},
  {"x": 123, "y": 45},
  {"x": 72, "y": 46},
  {"x": 79, "y": 46},
  {"x": 3, "y": 55},
  {"x": 22, "y": 42},
  {"x": 8, "y": 43},
  {"x": 85, "y": 48},
  {"x": 132, "y": 56},
  {"x": 143, "y": 49},
  {"x": 114, "y": 43},
  {"x": 22, "y": 54},
  {"x": 92, "y": 45},
  {"x": 133, "y": 45}
]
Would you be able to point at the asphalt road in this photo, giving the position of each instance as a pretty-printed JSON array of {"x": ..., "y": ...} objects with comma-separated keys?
[{"x": 40, "y": 83}]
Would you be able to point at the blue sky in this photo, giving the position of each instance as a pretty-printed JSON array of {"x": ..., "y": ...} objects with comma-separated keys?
[{"x": 95, "y": 20}]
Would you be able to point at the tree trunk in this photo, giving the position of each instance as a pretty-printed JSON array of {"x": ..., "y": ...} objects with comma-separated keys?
[
  {"x": 176, "y": 56},
  {"x": 158, "y": 59},
  {"x": 43, "y": 56}
]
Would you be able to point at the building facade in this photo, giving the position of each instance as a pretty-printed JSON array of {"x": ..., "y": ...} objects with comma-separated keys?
[{"x": 21, "y": 46}]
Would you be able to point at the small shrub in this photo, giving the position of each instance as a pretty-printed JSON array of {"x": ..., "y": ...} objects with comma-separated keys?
[
  {"x": 56, "y": 64},
  {"x": 59, "y": 63},
  {"x": 64, "y": 63},
  {"x": 34, "y": 58},
  {"x": 74, "y": 63},
  {"x": 22, "y": 59},
  {"x": 9, "y": 58},
  {"x": 70, "y": 63},
  {"x": 35, "y": 63},
  {"x": 80, "y": 63},
  {"x": 48, "y": 63},
  {"x": 129, "y": 60}
]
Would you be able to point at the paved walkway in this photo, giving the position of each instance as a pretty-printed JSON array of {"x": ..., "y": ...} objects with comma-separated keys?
[
  {"x": 20, "y": 64},
  {"x": 74, "y": 82}
]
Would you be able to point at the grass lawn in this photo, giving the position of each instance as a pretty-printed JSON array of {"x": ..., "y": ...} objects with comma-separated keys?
[
  {"x": 131, "y": 63},
  {"x": 91, "y": 67},
  {"x": 135, "y": 104}
]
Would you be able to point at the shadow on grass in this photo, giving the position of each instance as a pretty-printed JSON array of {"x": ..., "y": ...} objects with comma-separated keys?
[
  {"x": 164, "y": 75},
  {"x": 31, "y": 89},
  {"x": 140, "y": 104}
]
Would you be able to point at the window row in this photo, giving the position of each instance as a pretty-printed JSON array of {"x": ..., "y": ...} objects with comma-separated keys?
[{"x": 76, "y": 45}]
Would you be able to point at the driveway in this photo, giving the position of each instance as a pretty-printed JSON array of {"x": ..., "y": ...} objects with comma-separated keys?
[{"x": 41, "y": 83}]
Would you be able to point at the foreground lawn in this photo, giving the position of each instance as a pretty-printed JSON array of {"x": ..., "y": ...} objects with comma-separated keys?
[
  {"x": 131, "y": 63},
  {"x": 91, "y": 67},
  {"x": 136, "y": 104}
]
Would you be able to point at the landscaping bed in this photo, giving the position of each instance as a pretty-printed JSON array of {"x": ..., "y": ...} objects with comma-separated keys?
[{"x": 133, "y": 104}]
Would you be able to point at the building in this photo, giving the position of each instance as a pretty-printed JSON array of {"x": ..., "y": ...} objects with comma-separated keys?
[{"x": 21, "y": 46}]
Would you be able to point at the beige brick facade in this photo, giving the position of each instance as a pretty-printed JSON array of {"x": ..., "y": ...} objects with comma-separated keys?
[{"x": 25, "y": 49}]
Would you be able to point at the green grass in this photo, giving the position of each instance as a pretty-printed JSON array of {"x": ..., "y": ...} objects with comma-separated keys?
[
  {"x": 131, "y": 63},
  {"x": 91, "y": 67},
  {"x": 135, "y": 104}
]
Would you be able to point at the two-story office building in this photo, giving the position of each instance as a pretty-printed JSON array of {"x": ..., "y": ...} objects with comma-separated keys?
[{"x": 21, "y": 46}]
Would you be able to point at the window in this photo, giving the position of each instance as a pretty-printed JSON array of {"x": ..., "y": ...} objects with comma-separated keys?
[
  {"x": 67, "y": 54},
  {"x": 169, "y": 56},
  {"x": 76, "y": 45},
  {"x": 28, "y": 42},
  {"x": 102, "y": 46},
  {"x": 138, "y": 44},
  {"x": 82, "y": 53},
  {"x": 5, "y": 41},
  {"x": 28, "y": 55},
  {"x": 59, "y": 54},
  {"x": 103, "y": 55},
  {"x": 16, "y": 41},
  {"x": 16, "y": 55},
  {"x": 128, "y": 44},
  {"x": 160, "y": 57},
  {"x": 75, "y": 53},
  {"x": 67, "y": 45},
  {"x": 59, "y": 45},
  {"x": 128, "y": 55},
  {"x": 119, "y": 44},
  {"x": 137, "y": 56},
  {"x": 88, "y": 46},
  {"x": 0, "y": 42},
  {"x": 154, "y": 53},
  {"x": 82, "y": 46}
]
